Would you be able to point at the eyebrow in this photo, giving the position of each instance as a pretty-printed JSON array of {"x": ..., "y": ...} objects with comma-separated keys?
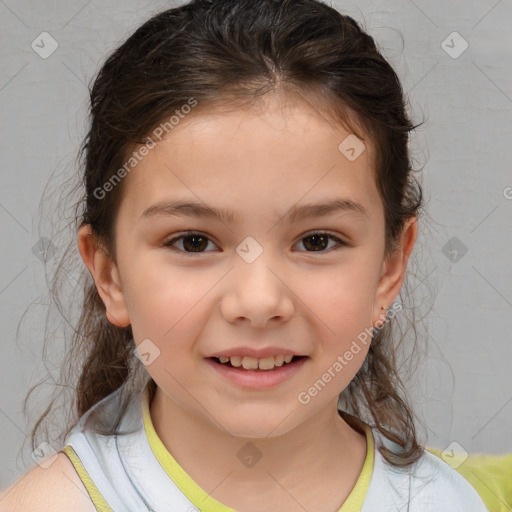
[{"x": 178, "y": 208}]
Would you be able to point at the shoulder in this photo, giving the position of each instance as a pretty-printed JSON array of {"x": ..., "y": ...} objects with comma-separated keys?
[
  {"x": 433, "y": 485},
  {"x": 433, "y": 476},
  {"x": 429, "y": 485},
  {"x": 55, "y": 488}
]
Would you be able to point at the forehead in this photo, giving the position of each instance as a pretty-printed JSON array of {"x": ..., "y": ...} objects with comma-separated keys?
[{"x": 254, "y": 159}]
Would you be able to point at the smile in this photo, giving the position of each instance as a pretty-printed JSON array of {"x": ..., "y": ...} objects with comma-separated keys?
[{"x": 250, "y": 375}]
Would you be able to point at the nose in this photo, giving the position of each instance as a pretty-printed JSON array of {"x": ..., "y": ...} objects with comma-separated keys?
[{"x": 257, "y": 293}]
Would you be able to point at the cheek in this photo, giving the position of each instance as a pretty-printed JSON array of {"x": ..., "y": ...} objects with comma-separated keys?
[
  {"x": 164, "y": 303},
  {"x": 339, "y": 305},
  {"x": 341, "y": 297}
]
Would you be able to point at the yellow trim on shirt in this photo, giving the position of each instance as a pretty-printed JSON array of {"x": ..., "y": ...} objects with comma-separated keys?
[
  {"x": 206, "y": 503},
  {"x": 96, "y": 497},
  {"x": 357, "y": 497}
]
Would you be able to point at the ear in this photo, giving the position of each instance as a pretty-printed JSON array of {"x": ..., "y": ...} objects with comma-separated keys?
[
  {"x": 393, "y": 271},
  {"x": 105, "y": 275}
]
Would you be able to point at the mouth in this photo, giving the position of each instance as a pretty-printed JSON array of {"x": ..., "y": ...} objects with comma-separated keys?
[{"x": 257, "y": 374}]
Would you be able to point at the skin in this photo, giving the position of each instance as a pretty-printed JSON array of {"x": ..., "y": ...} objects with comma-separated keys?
[{"x": 260, "y": 162}]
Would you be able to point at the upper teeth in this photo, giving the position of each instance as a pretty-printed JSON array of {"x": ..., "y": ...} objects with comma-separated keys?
[{"x": 252, "y": 363}]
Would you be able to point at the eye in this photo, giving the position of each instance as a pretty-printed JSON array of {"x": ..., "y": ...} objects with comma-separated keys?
[
  {"x": 191, "y": 240},
  {"x": 318, "y": 241},
  {"x": 195, "y": 242}
]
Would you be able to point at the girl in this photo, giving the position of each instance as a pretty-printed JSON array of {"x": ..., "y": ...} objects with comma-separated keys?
[{"x": 248, "y": 217}]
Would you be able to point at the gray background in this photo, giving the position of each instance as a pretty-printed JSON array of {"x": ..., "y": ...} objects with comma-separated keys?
[{"x": 462, "y": 388}]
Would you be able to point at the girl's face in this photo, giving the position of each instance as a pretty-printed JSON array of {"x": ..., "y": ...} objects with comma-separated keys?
[{"x": 251, "y": 279}]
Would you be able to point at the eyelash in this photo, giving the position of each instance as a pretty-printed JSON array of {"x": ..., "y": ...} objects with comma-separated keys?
[{"x": 173, "y": 240}]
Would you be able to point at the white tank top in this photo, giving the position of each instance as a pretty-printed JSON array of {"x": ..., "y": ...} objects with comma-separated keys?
[{"x": 133, "y": 471}]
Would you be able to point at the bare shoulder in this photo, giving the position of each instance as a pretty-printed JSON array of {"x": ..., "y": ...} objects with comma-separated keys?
[{"x": 54, "y": 488}]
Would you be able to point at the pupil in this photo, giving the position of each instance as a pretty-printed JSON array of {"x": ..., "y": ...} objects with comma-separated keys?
[
  {"x": 316, "y": 239},
  {"x": 195, "y": 237}
]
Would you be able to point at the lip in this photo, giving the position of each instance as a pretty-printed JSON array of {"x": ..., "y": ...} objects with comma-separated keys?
[
  {"x": 251, "y": 352},
  {"x": 258, "y": 379}
]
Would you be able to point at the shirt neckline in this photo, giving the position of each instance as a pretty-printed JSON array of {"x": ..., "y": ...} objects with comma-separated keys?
[{"x": 201, "y": 499}]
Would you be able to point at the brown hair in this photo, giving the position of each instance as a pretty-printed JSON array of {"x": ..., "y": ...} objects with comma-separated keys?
[{"x": 226, "y": 53}]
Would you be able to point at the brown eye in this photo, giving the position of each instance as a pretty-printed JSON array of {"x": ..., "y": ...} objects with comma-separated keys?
[
  {"x": 318, "y": 242},
  {"x": 192, "y": 243}
]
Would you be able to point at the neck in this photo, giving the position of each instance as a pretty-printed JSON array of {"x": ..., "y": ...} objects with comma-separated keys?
[{"x": 324, "y": 446}]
